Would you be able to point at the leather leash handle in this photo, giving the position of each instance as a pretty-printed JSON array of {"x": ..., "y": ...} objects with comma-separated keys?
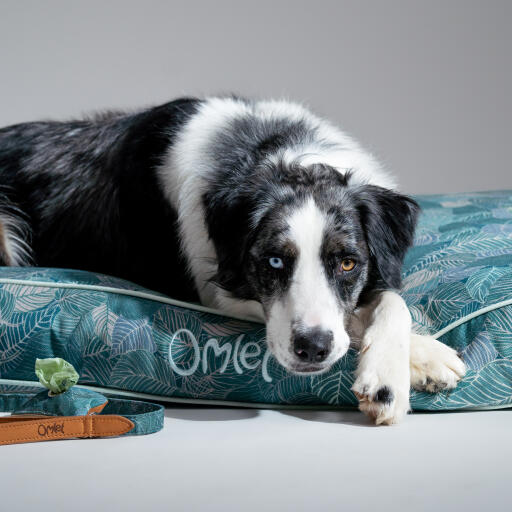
[{"x": 17, "y": 429}]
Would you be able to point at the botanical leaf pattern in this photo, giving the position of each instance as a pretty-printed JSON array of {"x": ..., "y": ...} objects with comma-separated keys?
[
  {"x": 31, "y": 298},
  {"x": 104, "y": 322},
  {"x": 131, "y": 335},
  {"x": 460, "y": 264}
]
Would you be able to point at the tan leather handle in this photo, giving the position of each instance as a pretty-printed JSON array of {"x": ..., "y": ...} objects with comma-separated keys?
[{"x": 17, "y": 429}]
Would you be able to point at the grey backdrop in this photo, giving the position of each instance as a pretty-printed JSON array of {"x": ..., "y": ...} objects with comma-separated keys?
[{"x": 425, "y": 85}]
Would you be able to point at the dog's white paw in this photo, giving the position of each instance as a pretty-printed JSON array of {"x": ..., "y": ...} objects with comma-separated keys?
[
  {"x": 384, "y": 400},
  {"x": 434, "y": 365}
]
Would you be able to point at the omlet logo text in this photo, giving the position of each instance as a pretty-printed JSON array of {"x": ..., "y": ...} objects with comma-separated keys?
[{"x": 243, "y": 355}]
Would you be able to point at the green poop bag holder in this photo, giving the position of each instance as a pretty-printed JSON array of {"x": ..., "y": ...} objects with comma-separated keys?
[{"x": 63, "y": 411}]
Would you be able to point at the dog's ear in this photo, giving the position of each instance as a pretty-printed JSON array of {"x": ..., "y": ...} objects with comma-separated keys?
[
  {"x": 389, "y": 221},
  {"x": 228, "y": 223}
]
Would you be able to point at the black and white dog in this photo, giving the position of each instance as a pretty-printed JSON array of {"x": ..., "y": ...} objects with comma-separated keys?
[{"x": 259, "y": 209}]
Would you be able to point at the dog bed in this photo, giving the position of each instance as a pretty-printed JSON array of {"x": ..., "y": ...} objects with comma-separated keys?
[{"x": 124, "y": 339}]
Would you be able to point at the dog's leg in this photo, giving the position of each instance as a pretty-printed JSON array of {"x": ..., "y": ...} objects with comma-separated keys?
[
  {"x": 434, "y": 365},
  {"x": 383, "y": 378}
]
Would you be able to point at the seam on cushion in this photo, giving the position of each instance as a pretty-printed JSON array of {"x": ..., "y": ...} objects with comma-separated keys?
[
  {"x": 130, "y": 293},
  {"x": 471, "y": 316}
]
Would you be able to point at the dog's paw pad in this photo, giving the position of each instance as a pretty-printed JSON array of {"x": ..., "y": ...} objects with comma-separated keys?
[
  {"x": 384, "y": 395},
  {"x": 434, "y": 386}
]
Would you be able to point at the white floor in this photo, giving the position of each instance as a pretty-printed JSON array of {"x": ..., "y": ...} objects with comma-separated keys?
[{"x": 234, "y": 459}]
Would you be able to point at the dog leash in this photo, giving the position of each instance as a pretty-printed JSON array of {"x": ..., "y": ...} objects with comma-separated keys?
[
  {"x": 117, "y": 417},
  {"x": 65, "y": 412}
]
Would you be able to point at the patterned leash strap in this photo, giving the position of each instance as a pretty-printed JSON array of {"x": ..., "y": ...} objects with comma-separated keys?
[{"x": 118, "y": 417}]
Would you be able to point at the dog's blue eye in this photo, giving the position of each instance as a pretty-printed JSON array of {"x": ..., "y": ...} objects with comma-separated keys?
[{"x": 276, "y": 262}]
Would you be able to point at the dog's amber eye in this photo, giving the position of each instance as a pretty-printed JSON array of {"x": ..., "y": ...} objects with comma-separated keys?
[{"x": 347, "y": 265}]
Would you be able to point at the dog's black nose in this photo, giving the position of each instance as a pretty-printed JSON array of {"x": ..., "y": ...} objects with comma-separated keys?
[{"x": 312, "y": 345}]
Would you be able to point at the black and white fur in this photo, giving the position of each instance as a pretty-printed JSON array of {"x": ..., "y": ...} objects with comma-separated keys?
[{"x": 250, "y": 206}]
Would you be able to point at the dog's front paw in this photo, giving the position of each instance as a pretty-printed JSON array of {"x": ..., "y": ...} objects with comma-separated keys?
[
  {"x": 384, "y": 402},
  {"x": 434, "y": 365}
]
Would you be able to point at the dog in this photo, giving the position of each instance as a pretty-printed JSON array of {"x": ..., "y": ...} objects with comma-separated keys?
[{"x": 257, "y": 208}]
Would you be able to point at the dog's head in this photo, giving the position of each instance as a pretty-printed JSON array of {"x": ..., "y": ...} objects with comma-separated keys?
[{"x": 310, "y": 247}]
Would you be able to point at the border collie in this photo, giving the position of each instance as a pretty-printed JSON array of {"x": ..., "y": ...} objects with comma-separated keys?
[{"x": 256, "y": 208}]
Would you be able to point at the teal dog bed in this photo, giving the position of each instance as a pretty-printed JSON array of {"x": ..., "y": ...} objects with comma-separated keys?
[{"x": 127, "y": 340}]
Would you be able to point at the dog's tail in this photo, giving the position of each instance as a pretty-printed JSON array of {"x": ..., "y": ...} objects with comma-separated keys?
[{"x": 15, "y": 234}]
